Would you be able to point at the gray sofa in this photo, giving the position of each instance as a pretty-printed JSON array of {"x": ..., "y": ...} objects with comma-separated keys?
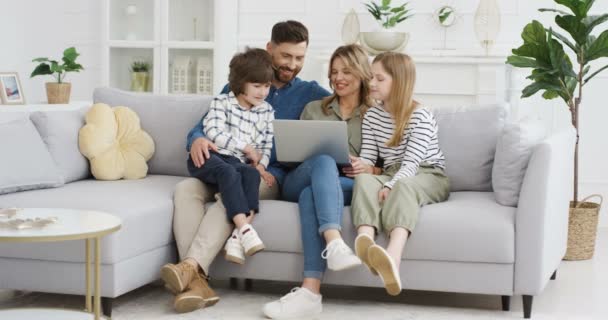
[{"x": 469, "y": 243}]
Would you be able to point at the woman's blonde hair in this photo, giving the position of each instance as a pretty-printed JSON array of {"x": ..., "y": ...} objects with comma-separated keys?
[
  {"x": 401, "y": 102},
  {"x": 355, "y": 57}
]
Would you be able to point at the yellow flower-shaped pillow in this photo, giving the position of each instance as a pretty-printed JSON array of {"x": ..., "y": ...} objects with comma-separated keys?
[{"x": 114, "y": 143}]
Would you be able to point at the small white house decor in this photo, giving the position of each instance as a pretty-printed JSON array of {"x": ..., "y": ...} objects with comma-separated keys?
[
  {"x": 204, "y": 76},
  {"x": 487, "y": 23},
  {"x": 180, "y": 75},
  {"x": 131, "y": 12}
]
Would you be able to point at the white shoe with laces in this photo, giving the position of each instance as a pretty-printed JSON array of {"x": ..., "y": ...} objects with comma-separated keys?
[
  {"x": 339, "y": 256},
  {"x": 250, "y": 240},
  {"x": 234, "y": 250},
  {"x": 300, "y": 303}
]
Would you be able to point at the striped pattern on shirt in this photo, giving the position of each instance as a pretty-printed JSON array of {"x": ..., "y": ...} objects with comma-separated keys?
[
  {"x": 419, "y": 143},
  {"x": 232, "y": 127}
]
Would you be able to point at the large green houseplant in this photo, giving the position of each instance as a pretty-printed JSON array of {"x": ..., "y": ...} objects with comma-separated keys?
[
  {"x": 58, "y": 91},
  {"x": 547, "y": 52}
]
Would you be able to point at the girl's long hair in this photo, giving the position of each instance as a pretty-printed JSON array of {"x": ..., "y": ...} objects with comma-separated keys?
[
  {"x": 355, "y": 57},
  {"x": 401, "y": 102}
]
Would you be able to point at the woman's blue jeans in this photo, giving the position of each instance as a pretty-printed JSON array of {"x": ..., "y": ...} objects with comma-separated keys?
[{"x": 321, "y": 195}]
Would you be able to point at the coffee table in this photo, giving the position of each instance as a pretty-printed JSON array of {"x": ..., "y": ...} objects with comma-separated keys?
[{"x": 72, "y": 224}]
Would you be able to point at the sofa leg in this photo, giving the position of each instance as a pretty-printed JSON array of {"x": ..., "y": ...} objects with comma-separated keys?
[
  {"x": 234, "y": 283},
  {"x": 248, "y": 284},
  {"x": 106, "y": 306},
  {"x": 527, "y": 300},
  {"x": 506, "y": 303},
  {"x": 554, "y": 275}
]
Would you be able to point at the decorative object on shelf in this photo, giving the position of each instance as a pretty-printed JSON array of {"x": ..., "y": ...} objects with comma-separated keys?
[
  {"x": 553, "y": 72},
  {"x": 204, "y": 76},
  {"x": 21, "y": 224},
  {"x": 11, "y": 91},
  {"x": 58, "y": 92},
  {"x": 9, "y": 212},
  {"x": 388, "y": 16},
  {"x": 350, "y": 28},
  {"x": 131, "y": 12},
  {"x": 445, "y": 17},
  {"x": 180, "y": 75},
  {"x": 140, "y": 76},
  {"x": 487, "y": 23}
]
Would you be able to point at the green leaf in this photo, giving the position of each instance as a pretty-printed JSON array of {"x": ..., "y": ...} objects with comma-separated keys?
[
  {"x": 550, "y": 94},
  {"x": 534, "y": 33},
  {"x": 522, "y": 62},
  {"x": 41, "y": 69},
  {"x": 40, "y": 60},
  {"x": 386, "y": 3},
  {"x": 578, "y": 7},
  {"x": 563, "y": 39},
  {"x": 574, "y": 26},
  {"x": 594, "y": 74},
  {"x": 552, "y": 10},
  {"x": 559, "y": 60},
  {"x": 537, "y": 86},
  {"x": 70, "y": 54},
  {"x": 598, "y": 48},
  {"x": 593, "y": 21}
]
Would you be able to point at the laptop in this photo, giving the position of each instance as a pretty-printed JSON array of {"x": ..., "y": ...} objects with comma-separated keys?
[{"x": 299, "y": 140}]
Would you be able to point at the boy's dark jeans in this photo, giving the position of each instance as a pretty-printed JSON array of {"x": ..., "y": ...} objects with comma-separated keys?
[{"x": 237, "y": 182}]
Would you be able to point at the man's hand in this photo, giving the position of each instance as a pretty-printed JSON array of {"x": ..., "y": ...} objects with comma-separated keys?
[
  {"x": 199, "y": 151},
  {"x": 357, "y": 167},
  {"x": 268, "y": 178},
  {"x": 252, "y": 155},
  {"x": 383, "y": 194}
]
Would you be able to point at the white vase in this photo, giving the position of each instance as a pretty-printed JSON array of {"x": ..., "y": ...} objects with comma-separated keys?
[
  {"x": 487, "y": 23},
  {"x": 350, "y": 28},
  {"x": 377, "y": 42}
]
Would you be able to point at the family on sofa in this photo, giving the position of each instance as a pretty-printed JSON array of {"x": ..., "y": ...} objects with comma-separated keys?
[{"x": 396, "y": 167}]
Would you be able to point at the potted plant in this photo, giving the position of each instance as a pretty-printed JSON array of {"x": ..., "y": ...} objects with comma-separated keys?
[
  {"x": 554, "y": 74},
  {"x": 388, "y": 17},
  {"x": 59, "y": 91},
  {"x": 140, "y": 76}
]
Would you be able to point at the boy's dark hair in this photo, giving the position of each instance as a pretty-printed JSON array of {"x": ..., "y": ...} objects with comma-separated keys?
[
  {"x": 289, "y": 31},
  {"x": 253, "y": 65}
]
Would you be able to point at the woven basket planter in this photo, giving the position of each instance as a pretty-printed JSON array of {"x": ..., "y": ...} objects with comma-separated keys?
[
  {"x": 58, "y": 93},
  {"x": 582, "y": 229}
]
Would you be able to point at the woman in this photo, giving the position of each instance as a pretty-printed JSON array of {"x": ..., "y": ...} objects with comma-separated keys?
[{"x": 319, "y": 188}]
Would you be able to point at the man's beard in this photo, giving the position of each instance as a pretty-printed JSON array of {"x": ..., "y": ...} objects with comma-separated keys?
[{"x": 284, "y": 78}]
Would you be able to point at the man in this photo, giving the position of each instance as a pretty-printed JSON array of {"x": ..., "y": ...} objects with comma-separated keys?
[{"x": 201, "y": 234}]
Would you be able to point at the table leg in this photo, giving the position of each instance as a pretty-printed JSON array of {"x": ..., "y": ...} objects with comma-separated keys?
[
  {"x": 88, "y": 275},
  {"x": 97, "y": 278}
]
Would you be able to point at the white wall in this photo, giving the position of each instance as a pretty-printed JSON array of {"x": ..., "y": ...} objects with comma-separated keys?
[
  {"x": 55, "y": 25},
  {"x": 36, "y": 28}
]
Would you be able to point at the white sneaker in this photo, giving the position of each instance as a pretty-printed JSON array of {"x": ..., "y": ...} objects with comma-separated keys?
[
  {"x": 299, "y": 303},
  {"x": 234, "y": 250},
  {"x": 250, "y": 240},
  {"x": 339, "y": 256}
]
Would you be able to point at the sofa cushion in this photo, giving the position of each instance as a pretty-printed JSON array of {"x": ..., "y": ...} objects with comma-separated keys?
[
  {"x": 467, "y": 136},
  {"x": 513, "y": 151},
  {"x": 146, "y": 213},
  {"x": 59, "y": 131},
  {"x": 167, "y": 118},
  {"x": 25, "y": 162},
  {"x": 114, "y": 143},
  {"x": 469, "y": 227}
]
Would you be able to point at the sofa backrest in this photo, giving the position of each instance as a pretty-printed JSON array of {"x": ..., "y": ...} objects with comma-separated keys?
[
  {"x": 467, "y": 137},
  {"x": 167, "y": 118}
]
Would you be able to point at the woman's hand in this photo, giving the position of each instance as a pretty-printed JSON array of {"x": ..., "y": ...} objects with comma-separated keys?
[
  {"x": 383, "y": 194},
  {"x": 356, "y": 167},
  {"x": 266, "y": 176}
]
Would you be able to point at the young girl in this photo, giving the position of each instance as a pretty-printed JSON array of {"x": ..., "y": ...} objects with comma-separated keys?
[
  {"x": 240, "y": 124},
  {"x": 404, "y": 135}
]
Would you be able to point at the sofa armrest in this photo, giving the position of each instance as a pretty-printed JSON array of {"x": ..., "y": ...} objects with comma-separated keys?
[{"x": 541, "y": 220}]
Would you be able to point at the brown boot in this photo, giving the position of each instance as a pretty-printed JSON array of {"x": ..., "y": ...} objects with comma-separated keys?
[
  {"x": 199, "y": 295},
  {"x": 177, "y": 276}
]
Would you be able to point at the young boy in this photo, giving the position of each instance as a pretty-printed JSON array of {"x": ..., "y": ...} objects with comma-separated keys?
[{"x": 240, "y": 124}]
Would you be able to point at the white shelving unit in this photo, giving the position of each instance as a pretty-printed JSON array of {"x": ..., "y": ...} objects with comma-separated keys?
[{"x": 162, "y": 32}]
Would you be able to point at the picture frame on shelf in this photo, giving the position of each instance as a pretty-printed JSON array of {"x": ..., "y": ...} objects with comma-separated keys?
[{"x": 11, "y": 91}]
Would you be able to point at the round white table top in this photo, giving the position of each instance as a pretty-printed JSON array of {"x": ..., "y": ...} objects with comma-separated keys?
[
  {"x": 71, "y": 224},
  {"x": 46, "y": 314}
]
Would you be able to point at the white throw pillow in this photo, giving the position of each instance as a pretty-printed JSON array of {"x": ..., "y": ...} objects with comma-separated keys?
[
  {"x": 513, "y": 150},
  {"x": 25, "y": 163}
]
